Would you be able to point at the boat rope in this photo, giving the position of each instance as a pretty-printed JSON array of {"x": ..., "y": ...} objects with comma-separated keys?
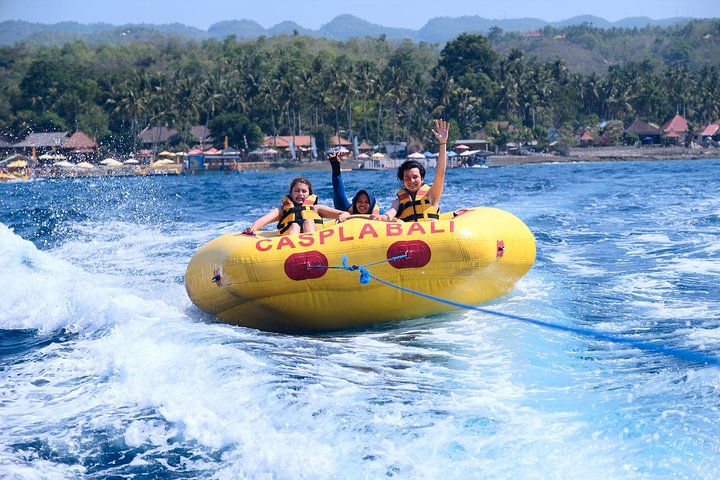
[
  {"x": 364, "y": 272},
  {"x": 683, "y": 354}
]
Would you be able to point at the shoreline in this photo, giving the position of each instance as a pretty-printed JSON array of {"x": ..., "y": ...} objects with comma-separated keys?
[
  {"x": 608, "y": 154},
  {"x": 575, "y": 155}
]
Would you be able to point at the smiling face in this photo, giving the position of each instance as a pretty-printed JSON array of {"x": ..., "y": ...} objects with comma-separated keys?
[
  {"x": 412, "y": 180},
  {"x": 300, "y": 191},
  {"x": 362, "y": 204}
]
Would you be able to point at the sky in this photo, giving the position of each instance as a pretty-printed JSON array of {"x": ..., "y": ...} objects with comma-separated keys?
[{"x": 312, "y": 14}]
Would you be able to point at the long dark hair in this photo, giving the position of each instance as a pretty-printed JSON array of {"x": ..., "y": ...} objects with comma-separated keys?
[
  {"x": 304, "y": 180},
  {"x": 407, "y": 165}
]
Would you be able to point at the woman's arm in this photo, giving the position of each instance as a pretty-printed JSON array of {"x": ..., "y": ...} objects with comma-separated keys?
[
  {"x": 340, "y": 200},
  {"x": 436, "y": 190},
  {"x": 390, "y": 213},
  {"x": 329, "y": 212},
  {"x": 272, "y": 216}
]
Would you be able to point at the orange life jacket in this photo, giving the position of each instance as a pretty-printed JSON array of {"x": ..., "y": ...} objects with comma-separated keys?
[
  {"x": 292, "y": 212},
  {"x": 418, "y": 209}
]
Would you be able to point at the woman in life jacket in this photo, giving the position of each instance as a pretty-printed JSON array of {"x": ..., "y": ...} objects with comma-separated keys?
[
  {"x": 299, "y": 211},
  {"x": 416, "y": 201},
  {"x": 363, "y": 203}
]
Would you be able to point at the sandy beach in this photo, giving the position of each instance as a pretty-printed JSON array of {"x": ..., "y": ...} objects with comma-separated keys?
[
  {"x": 608, "y": 154},
  {"x": 590, "y": 154},
  {"x": 574, "y": 155}
]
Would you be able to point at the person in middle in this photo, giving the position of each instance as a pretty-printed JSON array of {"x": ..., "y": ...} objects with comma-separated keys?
[
  {"x": 299, "y": 212},
  {"x": 416, "y": 201},
  {"x": 363, "y": 203}
]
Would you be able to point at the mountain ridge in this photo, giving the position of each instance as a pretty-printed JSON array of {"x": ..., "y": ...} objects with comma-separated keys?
[{"x": 342, "y": 27}]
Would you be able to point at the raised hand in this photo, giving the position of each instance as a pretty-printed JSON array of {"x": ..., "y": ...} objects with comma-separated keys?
[{"x": 441, "y": 130}]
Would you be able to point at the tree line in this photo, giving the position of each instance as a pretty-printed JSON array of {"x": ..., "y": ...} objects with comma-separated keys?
[{"x": 371, "y": 88}]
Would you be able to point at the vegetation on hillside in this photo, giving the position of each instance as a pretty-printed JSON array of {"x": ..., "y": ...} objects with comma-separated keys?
[
  {"x": 371, "y": 88},
  {"x": 586, "y": 48}
]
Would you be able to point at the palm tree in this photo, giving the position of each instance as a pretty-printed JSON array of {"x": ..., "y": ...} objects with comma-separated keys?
[
  {"x": 367, "y": 78},
  {"x": 510, "y": 77},
  {"x": 591, "y": 95},
  {"x": 706, "y": 98},
  {"x": 185, "y": 104},
  {"x": 382, "y": 90},
  {"x": 126, "y": 98},
  {"x": 398, "y": 89},
  {"x": 616, "y": 95},
  {"x": 442, "y": 84},
  {"x": 416, "y": 106},
  {"x": 340, "y": 90},
  {"x": 287, "y": 89},
  {"x": 315, "y": 85},
  {"x": 678, "y": 86},
  {"x": 212, "y": 94}
]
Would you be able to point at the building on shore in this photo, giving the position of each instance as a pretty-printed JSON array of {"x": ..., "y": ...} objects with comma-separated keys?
[{"x": 648, "y": 133}]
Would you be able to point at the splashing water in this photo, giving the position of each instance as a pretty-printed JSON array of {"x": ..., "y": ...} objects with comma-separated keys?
[{"x": 108, "y": 371}]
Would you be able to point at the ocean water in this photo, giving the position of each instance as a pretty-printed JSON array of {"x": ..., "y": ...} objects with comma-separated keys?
[{"x": 107, "y": 370}]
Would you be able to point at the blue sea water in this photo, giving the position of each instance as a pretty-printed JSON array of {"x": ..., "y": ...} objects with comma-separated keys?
[{"x": 107, "y": 370}]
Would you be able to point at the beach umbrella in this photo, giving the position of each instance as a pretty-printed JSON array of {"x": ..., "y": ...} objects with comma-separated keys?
[
  {"x": 378, "y": 155},
  {"x": 165, "y": 161},
  {"x": 461, "y": 147},
  {"x": 363, "y": 156},
  {"x": 271, "y": 151},
  {"x": 131, "y": 161},
  {"x": 46, "y": 156},
  {"x": 111, "y": 162},
  {"x": 428, "y": 154},
  {"x": 63, "y": 164},
  {"x": 416, "y": 155},
  {"x": 165, "y": 153},
  {"x": 17, "y": 164},
  {"x": 86, "y": 165}
]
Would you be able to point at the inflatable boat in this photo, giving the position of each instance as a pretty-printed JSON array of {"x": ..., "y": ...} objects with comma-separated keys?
[{"x": 360, "y": 272}]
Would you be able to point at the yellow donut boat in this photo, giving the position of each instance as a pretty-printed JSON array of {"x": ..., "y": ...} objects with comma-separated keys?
[{"x": 297, "y": 283}]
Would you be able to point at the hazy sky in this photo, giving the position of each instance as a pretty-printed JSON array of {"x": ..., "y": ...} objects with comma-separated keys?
[{"x": 313, "y": 14}]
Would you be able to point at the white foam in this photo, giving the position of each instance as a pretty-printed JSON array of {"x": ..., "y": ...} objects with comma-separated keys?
[
  {"x": 652, "y": 238},
  {"x": 573, "y": 261},
  {"x": 418, "y": 401},
  {"x": 442, "y": 397},
  {"x": 47, "y": 293},
  {"x": 701, "y": 266}
]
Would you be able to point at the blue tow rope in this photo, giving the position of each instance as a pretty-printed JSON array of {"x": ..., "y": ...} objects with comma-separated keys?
[{"x": 682, "y": 354}]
